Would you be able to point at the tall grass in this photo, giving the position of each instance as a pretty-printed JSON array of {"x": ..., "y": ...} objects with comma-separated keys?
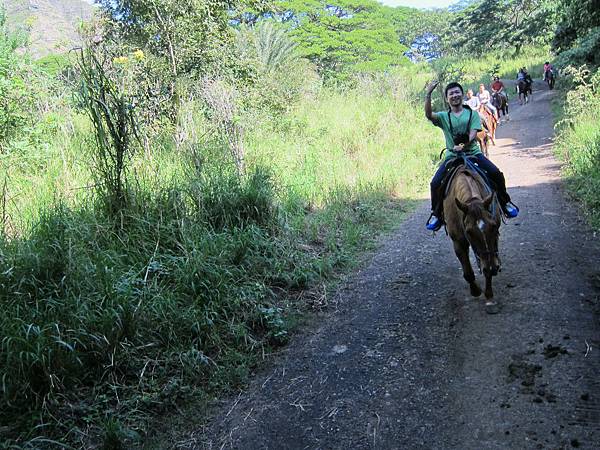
[
  {"x": 111, "y": 319},
  {"x": 369, "y": 135},
  {"x": 578, "y": 142}
]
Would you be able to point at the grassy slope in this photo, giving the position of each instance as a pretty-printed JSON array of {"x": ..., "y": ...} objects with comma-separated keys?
[
  {"x": 108, "y": 324},
  {"x": 53, "y": 22}
]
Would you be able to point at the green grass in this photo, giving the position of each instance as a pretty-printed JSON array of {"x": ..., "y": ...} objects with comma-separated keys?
[
  {"x": 578, "y": 144},
  {"x": 110, "y": 322}
]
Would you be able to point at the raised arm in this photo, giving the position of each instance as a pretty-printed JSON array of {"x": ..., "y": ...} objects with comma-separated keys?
[{"x": 428, "y": 111}]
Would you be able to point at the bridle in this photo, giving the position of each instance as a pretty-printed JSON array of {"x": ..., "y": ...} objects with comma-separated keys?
[{"x": 487, "y": 253}]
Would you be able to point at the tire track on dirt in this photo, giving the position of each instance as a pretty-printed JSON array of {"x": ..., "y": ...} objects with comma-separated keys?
[{"x": 408, "y": 360}]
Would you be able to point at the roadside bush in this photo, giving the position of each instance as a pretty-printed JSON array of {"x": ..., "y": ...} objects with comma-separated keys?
[
  {"x": 578, "y": 140},
  {"x": 88, "y": 305}
]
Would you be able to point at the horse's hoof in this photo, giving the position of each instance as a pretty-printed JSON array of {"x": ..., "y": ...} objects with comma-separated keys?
[
  {"x": 492, "y": 307},
  {"x": 475, "y": 291}
]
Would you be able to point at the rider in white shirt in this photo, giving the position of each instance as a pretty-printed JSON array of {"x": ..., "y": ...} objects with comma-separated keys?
[{"x": 486, "y": 100}]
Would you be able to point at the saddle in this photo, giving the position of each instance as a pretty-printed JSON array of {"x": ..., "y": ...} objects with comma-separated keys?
[{"x": 461, "y": 164}]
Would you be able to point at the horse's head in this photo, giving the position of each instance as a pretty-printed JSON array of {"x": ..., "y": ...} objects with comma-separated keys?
[{"x": 482, "y": 228}]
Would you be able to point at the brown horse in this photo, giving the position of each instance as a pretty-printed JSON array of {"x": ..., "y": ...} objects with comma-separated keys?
[
  {"x": 484, "y": 142},
  {"x": 489, "y": 122},
  {"x": 473, "y": 220}
]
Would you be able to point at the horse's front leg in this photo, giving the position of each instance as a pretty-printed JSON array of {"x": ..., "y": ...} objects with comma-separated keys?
[
  {"x": 461, "y": 248},
  {"x": 489, "y": 293},
  {"x": 491, "y": 306}
]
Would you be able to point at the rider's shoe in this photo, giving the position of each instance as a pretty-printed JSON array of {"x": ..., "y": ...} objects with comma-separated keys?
[
  {"x": 434, "y": 223},
  {"x": 511, "y": 210}
]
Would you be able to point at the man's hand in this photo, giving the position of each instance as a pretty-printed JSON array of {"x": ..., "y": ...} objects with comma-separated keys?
[
  {"x": 431, "y": 86},
  {"x": 428, "y": 111},
  {"x": 459, "y": 148}
]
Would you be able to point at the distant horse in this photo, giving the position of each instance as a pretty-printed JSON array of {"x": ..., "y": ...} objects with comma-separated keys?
[
  {"x": 529, "y": 86},
  {"x": 489, "y": 122},
  {"x": 483, "y": 138},
  {"x": 524, "y": 90},
  {"x": 472, "y": 217},
  {"x": 501, "y": 103},
  {"x": 550, "y": 78}
]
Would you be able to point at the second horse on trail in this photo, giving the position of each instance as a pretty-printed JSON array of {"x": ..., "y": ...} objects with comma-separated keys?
[{"x": 488, "y": 133}]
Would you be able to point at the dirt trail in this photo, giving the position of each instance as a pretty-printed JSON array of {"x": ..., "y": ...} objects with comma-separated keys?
[{"x": 410, "y": 361}]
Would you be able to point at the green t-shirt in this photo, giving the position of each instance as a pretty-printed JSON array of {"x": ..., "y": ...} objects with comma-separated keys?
[{"x": 459, "y": 125}]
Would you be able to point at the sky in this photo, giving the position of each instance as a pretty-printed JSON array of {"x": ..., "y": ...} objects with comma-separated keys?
[{"x": 420, "y": 3}]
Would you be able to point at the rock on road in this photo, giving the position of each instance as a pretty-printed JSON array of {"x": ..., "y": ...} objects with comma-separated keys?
[{"x": 410, "y": 361}]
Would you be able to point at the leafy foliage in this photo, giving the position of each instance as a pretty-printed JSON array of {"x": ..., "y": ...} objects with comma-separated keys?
[
  {"x": 498, "y": 24},
  {"x": 343, "y": 36},
  {"x": 189, "y": 38},
  {"x": 424, "y": 32},
  {"x": 584, "y": 51},
  {"x": 577, "y": 34},
  {"x": 274, "y": 49},
  {"x": 579, "y": 138}
]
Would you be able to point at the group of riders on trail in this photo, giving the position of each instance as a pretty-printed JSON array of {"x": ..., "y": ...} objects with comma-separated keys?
[{"x": 460, "y": 126}]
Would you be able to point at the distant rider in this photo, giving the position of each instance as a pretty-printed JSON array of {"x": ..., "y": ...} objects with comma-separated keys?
[
  {"x": 486, "y": 100},
  {"x": 460, "y": 127},
  {"x": 499, "y": 88},
  {"x": 474, "y": 103},
  {"x": 528, "y": 78},
  {"x": 522, "y": 77},
  {"x": 548, "y": 69}
]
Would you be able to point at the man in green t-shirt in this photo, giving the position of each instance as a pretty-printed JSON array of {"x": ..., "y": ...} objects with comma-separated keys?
[{"x": 460, "y": 126}]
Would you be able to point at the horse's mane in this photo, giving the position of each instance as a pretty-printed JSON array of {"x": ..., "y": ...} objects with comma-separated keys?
[
  {"x": 473, "y": 193},
  {"x": 475, "y": 208}
]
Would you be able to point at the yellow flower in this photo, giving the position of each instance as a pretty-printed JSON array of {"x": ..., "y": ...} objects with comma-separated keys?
[
  {"x": 121, "y": 60},
  {"x": 139, "y": 55}
]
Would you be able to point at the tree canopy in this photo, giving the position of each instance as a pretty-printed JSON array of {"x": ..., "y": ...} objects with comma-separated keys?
[
  {"x": 495, "y": 24},
  {"x": 343, "y": 35},
  {"x": 577, "y": 36}
]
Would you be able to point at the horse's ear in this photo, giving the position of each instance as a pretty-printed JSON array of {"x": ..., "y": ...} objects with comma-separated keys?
[
  {"x": 487, "y": 202},
  {"x": 461, "y": 206}
]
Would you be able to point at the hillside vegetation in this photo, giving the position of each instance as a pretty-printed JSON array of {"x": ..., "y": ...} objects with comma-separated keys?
[
  {"x": 178, "y": 193},
  {"x": 52, "y": 24}
]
